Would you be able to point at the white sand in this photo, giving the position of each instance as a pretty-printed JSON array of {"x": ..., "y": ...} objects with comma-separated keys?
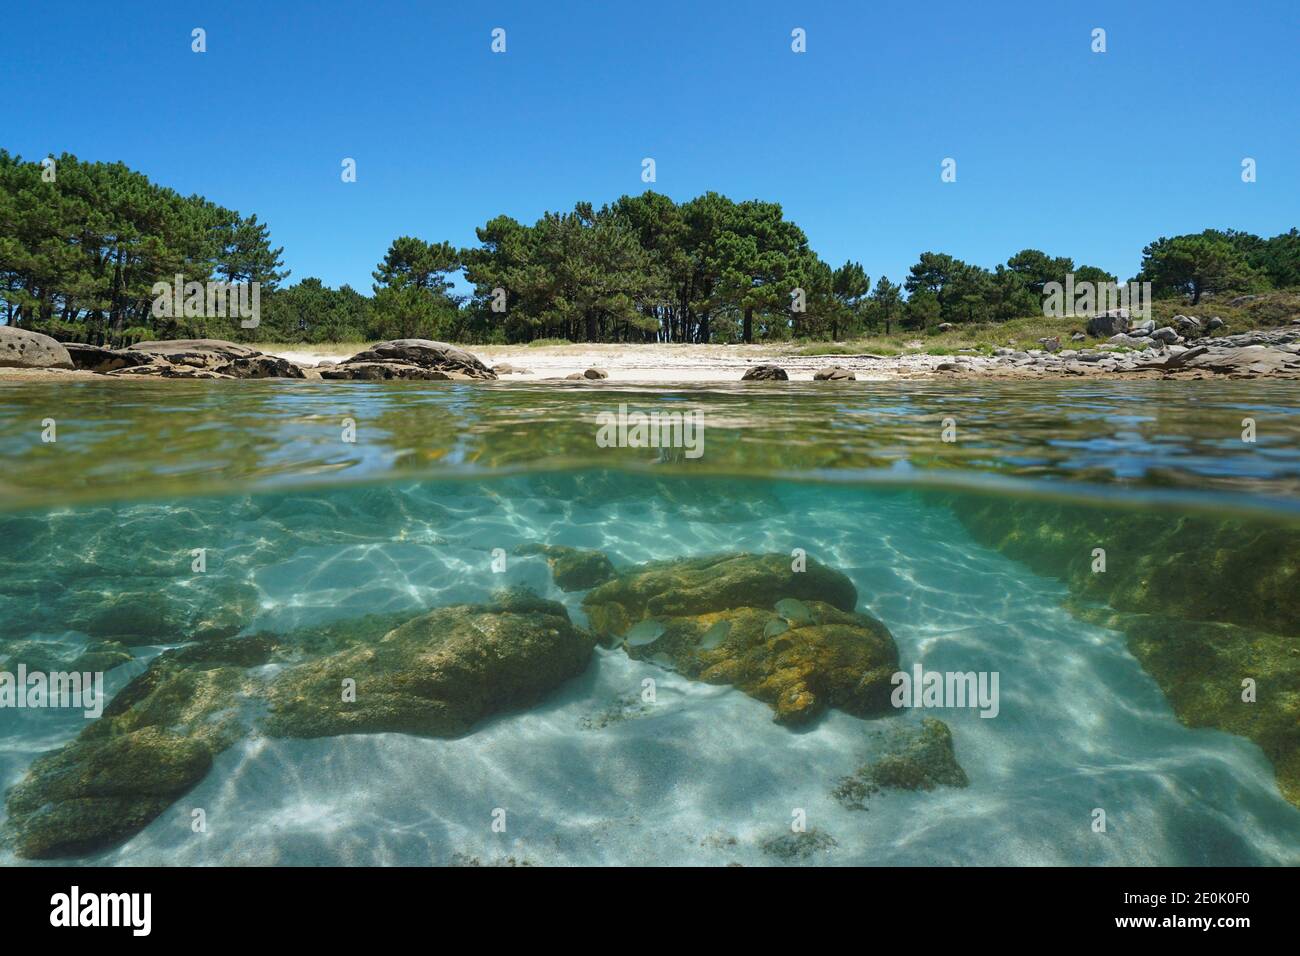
[{"x": 659, "y": 363}]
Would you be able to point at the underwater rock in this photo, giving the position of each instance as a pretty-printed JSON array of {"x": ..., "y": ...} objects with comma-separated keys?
[
  {"x": 920, "y": 759},
  {"x": 693, "y": 586},
  {"x": 1205, "y": 604},
  {"x": 155, "y": 740},
  {"x": 49, "y": 656},
  {"x": 573, "y": 569},
  {"x": 1201, "y": 667},
  {"x": 219, "y": 608},
  {"x": 799, "y": 846},
  {"x": 1193, "y": 568},
  {"x": 714, "y": 622},
  {"x": 139, "y": 617},
  {"x": 101, "y": 789},
  {"x": 437, "y": 674}
]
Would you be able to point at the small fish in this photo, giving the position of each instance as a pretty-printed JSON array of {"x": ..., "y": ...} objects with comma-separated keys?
[
  {"x": 646, "y": 632},
  {"x": 794, "y": 611},
  {"x": 664, "y": 661},
  {"x": 774, "y": 627},
  {"x": 714, "y": 636}
]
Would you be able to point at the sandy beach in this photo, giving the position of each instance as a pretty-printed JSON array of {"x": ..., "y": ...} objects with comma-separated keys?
[{"x": 658, "y": 363}]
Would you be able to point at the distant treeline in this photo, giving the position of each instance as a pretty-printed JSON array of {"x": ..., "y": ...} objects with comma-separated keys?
[{"x": 82, "y": 245}]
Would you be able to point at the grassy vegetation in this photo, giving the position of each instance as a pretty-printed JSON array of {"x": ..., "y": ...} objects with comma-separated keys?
[
  {"x": 1266, "y": 310},
  {"x": 343, "y": 349}
]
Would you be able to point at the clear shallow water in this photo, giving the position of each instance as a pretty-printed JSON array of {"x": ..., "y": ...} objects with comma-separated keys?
[
  {"x": 117, "y": 439},
  {"x": 1087, "y": 717}
]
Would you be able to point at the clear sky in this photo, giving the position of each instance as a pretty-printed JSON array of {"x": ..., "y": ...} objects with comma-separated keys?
[{"x": 1059, "y": 148}]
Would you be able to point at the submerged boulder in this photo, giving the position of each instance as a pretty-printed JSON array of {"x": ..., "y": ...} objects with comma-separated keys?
[
  {"x": 1205, "y": 604},
  {"x": 788, "y": 638},
  {"x": 99, "y": 790},
  {"x": 911, "y": 759},
  {"x": 436, "y": 675},
  {"x": 155, "y": 741},
  {"x": 23, "y": 348},
  {"x": 573, "y": 569}
]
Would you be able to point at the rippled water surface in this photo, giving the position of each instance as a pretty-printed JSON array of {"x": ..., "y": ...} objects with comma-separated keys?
[
  {"x": 1120, "y": 689},
  {"x": 133, "y": 438}
]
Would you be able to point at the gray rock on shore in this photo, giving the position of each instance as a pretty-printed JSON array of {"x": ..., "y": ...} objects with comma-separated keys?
[
  {"x": 834, "y": 374},
  {"x": 22, "y": 348},
  {"x": 205, "y": 358},
  {"x": 423, "y": 353},
  {"x": 765, "y": 373},
  {"x": 97, "y": 358},
  {"x": 1109, "y": 323}
]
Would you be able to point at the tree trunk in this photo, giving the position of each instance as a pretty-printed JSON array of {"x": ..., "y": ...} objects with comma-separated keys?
[{"x": 747, "y": 327}]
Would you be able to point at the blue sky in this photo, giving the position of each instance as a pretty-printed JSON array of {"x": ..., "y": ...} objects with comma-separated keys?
[{"x": 1081, "y": 154}]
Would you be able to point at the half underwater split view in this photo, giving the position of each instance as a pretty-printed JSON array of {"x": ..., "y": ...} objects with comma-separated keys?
[
  {"x": 470, "y": 464},
  {"x": 1066, "y": 637}
]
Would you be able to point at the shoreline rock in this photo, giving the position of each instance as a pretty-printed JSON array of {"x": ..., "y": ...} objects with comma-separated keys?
[{"x": 23, "y": 348}]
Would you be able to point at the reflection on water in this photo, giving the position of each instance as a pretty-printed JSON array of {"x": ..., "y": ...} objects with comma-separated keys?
[{"x": 140, "y": 438}]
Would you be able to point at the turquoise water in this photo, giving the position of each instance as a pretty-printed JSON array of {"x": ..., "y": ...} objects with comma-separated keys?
[{"x": 302, "y": 530}]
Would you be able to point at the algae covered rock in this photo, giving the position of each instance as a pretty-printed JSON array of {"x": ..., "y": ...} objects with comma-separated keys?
[
  {"x": 1205, "y": 603},
  {"x": 574, "y": 569},
  {"x": 156, "y": 615},
  {"x": 692, "y": 586},
  {"x": 800, "y": 846},
  {"x": 1238, "y": 679},
  {"x": 788, "y": 638},
  {"x": 155, "y": 740},
  {"x": 35, "y": 655},
  {"x": 919, "y": 759},
  {"x": 101, "y": 789},
  {"x": 436, "y": 675}
]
